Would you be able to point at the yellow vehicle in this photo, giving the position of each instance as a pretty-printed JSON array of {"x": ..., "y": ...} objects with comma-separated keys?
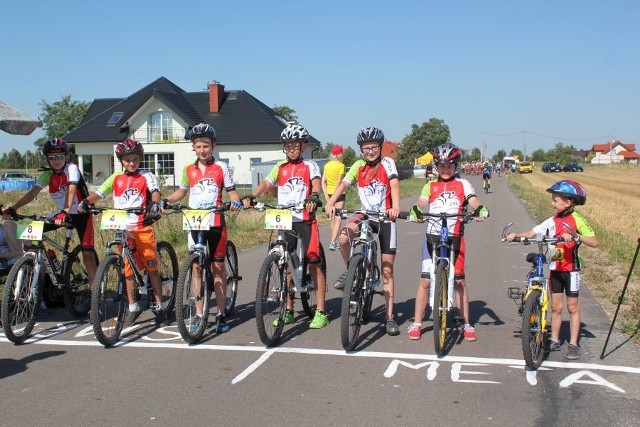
[{"x": 524, "y": 167}]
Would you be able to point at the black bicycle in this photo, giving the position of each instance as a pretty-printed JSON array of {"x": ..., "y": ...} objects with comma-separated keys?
[
  {"x": 194, "y": 297},
  {"x": 283, "y": 273},
  {"x": 24, "y": 287},
  {"x": 109, "y": 303}
]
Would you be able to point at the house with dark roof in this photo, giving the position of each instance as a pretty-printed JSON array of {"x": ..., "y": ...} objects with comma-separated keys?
[
  {"x": 614, "y": 152},
  {"x": 160, "y": 115}
]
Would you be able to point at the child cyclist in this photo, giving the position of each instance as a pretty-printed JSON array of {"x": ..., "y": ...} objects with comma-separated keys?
[
  {"x": 565, "y": 263},
  {"x": 67, "y": 188},
  {"x": 376, "y": 178},
  {"x": 452, "y": 195},
  {"x": 298, "y": 181},
  {"x": 204, "y": 181},
  {"x": 135, "y": 188}
]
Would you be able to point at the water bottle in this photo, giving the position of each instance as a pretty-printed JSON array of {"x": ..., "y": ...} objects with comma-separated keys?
[{"x": 54, "y": 260}]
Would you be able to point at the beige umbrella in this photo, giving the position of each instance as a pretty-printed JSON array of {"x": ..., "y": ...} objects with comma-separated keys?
[{"x": 16, "y": 122}]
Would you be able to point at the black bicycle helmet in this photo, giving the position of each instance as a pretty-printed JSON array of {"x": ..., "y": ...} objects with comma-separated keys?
[
  {"x": 370, "y": 134},
  {"x": 129, "y": 146},
  {"x": 55, "y": 144},
  {"x": 202, "y": 129},
  {"x": 294, "y": 133},
  {"x": 447, "y": 153},
  {"x": 571, "y": 190}
]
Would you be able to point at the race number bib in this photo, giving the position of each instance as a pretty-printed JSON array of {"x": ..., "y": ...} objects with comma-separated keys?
[
  {"x": 196, "y": 219},
  {"x": 114, "y": 220},
  {"x": 278, "y": 219},
  {"x": 29, "y": 230}
]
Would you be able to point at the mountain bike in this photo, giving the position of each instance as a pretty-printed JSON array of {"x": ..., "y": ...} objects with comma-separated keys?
[
  {"x": 442, "y": 274},
  {"x": 109, "y": 304},
  {"x": 195, "y": 297},
  {"x": 284, "y": 272},
  {"x": 533, "y": 299},
  {"x": 363, "y": 275},
  {"x": 24, "y": 287},
  {"x": 486, "y": 178}
]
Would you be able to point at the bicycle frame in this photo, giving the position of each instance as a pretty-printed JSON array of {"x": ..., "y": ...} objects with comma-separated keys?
[{"x": 366, "y": 244}]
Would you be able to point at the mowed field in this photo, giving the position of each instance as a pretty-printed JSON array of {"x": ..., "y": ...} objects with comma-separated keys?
[{"x": 613, "y": 204}]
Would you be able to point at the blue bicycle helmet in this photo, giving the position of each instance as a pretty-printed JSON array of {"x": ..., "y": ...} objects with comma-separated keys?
[{"x": 571, "y": 190}]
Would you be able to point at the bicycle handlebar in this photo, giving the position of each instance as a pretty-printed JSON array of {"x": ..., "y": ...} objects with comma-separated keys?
[
  {"x": 43, "y": 218},
  {"x": 96, "y": 210},
  {"x": 177, "y": 207},
  {"x": 382, "y": 216}
]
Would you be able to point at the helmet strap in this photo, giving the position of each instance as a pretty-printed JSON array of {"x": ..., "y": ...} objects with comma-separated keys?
[{"x": 374, "y": 162}]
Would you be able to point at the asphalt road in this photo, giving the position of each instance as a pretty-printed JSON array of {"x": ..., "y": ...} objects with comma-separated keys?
[{"x": 64, "y": 377}]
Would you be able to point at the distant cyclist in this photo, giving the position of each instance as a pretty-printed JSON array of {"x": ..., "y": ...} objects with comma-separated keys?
[{"x": 486, "y": 175}]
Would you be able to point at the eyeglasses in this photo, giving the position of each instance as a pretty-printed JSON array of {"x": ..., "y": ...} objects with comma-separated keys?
[
  {"x": 131, "y": 160},
  {"x": 56, "y": 157},
  {"x": 370, "y": 149}
]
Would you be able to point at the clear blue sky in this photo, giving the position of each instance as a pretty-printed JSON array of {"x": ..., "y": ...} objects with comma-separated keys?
[{"x": 564, "y": 71}]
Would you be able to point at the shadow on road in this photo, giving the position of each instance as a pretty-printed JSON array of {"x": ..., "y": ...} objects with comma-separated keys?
[{"x": 9, "y": 367}]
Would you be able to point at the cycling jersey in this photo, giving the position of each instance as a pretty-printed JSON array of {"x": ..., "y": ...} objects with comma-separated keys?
[
  {"x": 564, "y": 256},
  {"x": 450, "y": 197},
  {"x": 333, "y": 170},
  {"x": 59, "y": 183},
  {"x": 130, "y": 191},
  {"x": 294, "y": 184},
  {"x": 372, "y": 182},
  {"x": 205, "y": 188}
]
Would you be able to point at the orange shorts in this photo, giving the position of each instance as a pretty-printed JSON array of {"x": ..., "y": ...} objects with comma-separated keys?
[{"x": 145, "y": 254}]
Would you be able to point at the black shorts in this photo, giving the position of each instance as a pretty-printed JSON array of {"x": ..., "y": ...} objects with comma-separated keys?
[{"x": 565, "y": 281}]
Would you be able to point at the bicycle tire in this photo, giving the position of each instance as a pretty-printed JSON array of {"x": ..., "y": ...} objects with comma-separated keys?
[
  {"x": 108, "y": 301},
  {"x": 533, "y": 336},
  {"x": 440, "y": 312},
  {"x": 231, "y": 268},
  {"x": 271, "y": 293},
  {"x": 19, "y": 312},
  {"x": 352, "y": 302},
  {"x": 375, "y": 275},
  {"x": 168, "y": 269},
  {"x": 308, "y": 299},
  {"x": 77, "y": 289},
  {"x": 189, "y": 298}
]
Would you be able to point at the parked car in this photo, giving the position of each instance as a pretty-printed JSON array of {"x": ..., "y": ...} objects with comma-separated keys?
[
  {"x": 418, "y": 171},
  {"x": 551, "y": 167},
  {"x": 16, "y": 181},
  {"x": 572, "y": 167},
  {"x": 14, "y": 175},
  {"x": 524, "y": 167}
]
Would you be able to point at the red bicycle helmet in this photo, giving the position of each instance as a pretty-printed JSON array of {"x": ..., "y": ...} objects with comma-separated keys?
[{"x": 129, "y": 146}]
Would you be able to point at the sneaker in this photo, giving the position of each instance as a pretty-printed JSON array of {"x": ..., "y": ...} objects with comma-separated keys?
[
  {"x": 159, "y": 312},
  {"x": 392, "y": 327},
  {"x": 288, "y": 318},
  {"x": 320, "y": 320},
  {"x": 469, "y": 333},
  {"x": 339, "y": 285},
  {"x": 573, "y": 352},
  {"x": 132, "y": 316},
  {"x": 334, "y": 246},
  {"x": 415, "y": 331},
  {"x": 42, "y": 308},
  {"x": 194, "y": 324},
  {"x": 221, "y": 324},
  {"x": 555, "y": 345}
]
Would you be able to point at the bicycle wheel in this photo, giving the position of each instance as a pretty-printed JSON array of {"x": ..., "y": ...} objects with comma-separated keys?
[
  {"x": 440, "y": 313},
  {"x": 533, "y": 336},
  {"x": 192, "y": 299},
  {"x": 309, "y": 301},
  {"x": 352, "y": 302},
  {"x": 77, "y": 289},
  {"x": 375, "y": 277},
  {"x": 108, "y": 301},
  {"x": 168, "y": 269},
  {"x": 20, "y": 300},
  {"x": 233, "y": 277},
  {"x": 271, "y": 293}
]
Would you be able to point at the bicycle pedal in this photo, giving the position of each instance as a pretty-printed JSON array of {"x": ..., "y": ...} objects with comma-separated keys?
[{"x": 515, "y": 293}]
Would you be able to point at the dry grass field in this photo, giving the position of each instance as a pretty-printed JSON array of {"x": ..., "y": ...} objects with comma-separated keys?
[{"x": 613, "y": 203}]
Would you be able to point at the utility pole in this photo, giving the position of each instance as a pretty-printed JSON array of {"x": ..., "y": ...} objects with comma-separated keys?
[{"x": 524, "y": 143}]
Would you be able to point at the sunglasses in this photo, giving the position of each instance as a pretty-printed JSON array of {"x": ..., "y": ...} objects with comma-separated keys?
[{"x": 56, "y": 157}]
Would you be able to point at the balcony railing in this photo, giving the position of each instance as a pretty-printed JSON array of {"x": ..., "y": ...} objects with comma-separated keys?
[{"x": 159, "y": 136}]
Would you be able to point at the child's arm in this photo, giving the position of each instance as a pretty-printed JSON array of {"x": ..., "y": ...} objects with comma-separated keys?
[
  {"x": 528, "y": 234},
  {"x": 24, "y": 200}
]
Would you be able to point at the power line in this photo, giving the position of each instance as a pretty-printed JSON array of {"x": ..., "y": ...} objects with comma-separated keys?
[{"x": 524, "y": 132}]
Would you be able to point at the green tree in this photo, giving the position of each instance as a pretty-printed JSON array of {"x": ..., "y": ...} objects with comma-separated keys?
[
  {"x": 501, "y": 154},
  {"x": 61, "y": 117},
  {"x": 422, "y": 138},
  {"x": 287, "y": 113},
  {"x": 12, "y": 160},
  {"x": 539, "y": 155},
  {"x": 475, "y": 155}
]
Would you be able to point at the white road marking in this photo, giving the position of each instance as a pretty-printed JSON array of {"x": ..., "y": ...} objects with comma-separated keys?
[{"x": 255, "y": 365}]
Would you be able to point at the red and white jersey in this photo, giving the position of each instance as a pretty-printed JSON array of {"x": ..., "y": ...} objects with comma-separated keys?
[
  {"x": 130, "y": 191},
  {"x": 447, "y": 196},
  {"x": 205, "y": 188},
  {"x": 59, "y": 184},
  {"x": 373, "y": 183},
  {"x": 294, "y": 184}
]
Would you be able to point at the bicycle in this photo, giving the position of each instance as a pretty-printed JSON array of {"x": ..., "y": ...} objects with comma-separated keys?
[
  {"x": 109, "y": 303},
  {"x": 363, "y": 275},
  {"x": 533, "y": 299},
  {"x": 274, "y": 285},
  {"x": 442, "y": 275},
  {"x": 25, "y": 284},
  {"x": 191, "y": 325},
  {"x": 486, "y": 177}
]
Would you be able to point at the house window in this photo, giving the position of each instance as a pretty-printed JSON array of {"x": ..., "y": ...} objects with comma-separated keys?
[
  {"x": 161, "y": 126},
  {"x": 224, "y": 160},
  {"x": 255, "y": 161},
  {"x": 148, "y": 162},
  {"x": 165, "y": 164},
  {"x": 115, "y": 118}
]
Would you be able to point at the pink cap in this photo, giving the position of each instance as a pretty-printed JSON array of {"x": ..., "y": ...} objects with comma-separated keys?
[{"x": 337, "y": 150}]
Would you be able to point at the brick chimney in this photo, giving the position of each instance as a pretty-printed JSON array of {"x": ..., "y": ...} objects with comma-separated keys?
[{"x": 216, "y": 96}]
